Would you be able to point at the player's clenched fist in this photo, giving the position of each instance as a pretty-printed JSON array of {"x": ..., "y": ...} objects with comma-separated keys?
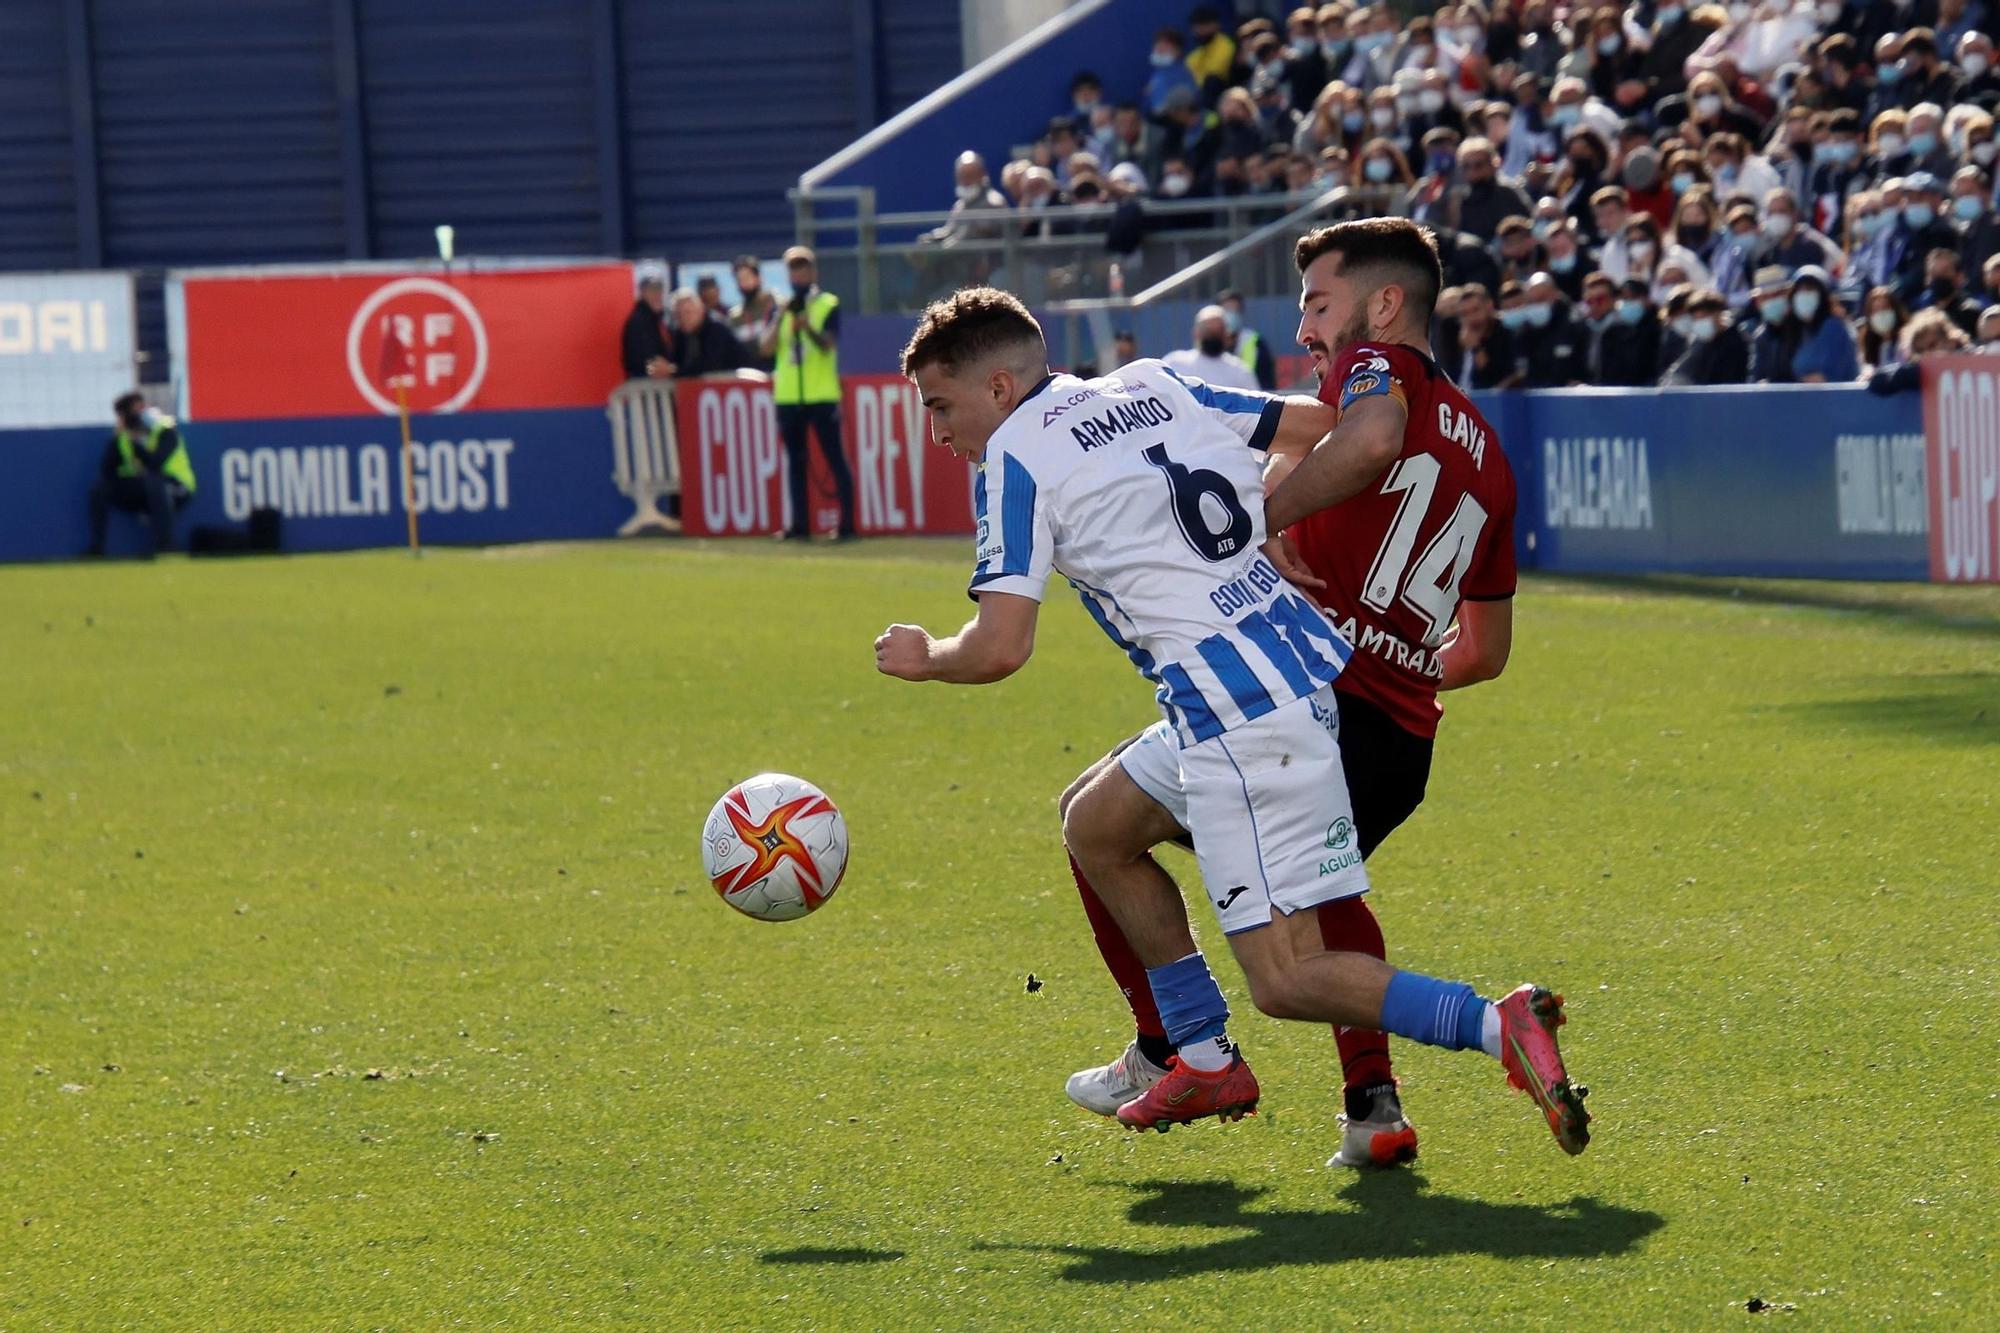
[{"x": 904, "y": 651}]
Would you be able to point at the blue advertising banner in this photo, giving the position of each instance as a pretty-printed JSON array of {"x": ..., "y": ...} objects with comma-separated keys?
[
  {"x": 1778, "y": 481},
  {"x": 479, "y": 477}
]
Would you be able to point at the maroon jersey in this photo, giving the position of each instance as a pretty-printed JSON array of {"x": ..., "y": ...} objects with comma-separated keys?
[{"x": 1437, "y": 528}]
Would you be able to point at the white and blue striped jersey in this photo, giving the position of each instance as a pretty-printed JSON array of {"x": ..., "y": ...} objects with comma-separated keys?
[{"x": 1145, "y": 489}]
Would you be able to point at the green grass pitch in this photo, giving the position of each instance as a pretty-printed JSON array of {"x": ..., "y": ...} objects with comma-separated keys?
[{"x": 359, "y": 970}]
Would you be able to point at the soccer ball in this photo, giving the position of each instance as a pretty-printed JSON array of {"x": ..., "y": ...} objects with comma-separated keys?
[{"x": 774, "y": 847}]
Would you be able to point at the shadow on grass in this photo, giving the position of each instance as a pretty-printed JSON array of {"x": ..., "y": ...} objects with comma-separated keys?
[
  {"x": 826, "y": 1256},
  {"x": 1392, "y": 1218},
  {"x": 1923, "y": 606},
  {"x": 1956, "y": 708}
]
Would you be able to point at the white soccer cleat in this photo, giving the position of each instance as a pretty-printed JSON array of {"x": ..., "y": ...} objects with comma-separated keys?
[
  {"x": 1385, "y": 1138},
  {"x": 1108, "y": 1087}
]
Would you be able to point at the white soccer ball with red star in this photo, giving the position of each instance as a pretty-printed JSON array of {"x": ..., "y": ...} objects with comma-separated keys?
[{"x": 774, "y": 847}]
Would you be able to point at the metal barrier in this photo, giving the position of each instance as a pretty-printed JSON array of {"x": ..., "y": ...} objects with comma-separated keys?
[{"x": 645, "y": 451}]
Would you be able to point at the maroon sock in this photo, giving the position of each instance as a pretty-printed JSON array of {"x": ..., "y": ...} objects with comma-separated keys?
[
  {"x": 1125, "y": 967},
  {"x": 1346, "y": 925}
]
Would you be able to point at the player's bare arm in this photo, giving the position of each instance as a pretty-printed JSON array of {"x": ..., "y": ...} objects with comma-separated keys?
[
  {"x": 995, "y": 643},
  {"x": 1479, "y": 645},
  {"x": 1367, "y": 440},
  {"x": 1303, "y": 423}
]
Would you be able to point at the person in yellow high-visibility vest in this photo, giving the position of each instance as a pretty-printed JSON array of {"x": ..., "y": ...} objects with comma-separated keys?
[
  {"x": 805, "y": 386},
  {"x": 145, "y": 470},
  {"x": 1247, "y": 343}
]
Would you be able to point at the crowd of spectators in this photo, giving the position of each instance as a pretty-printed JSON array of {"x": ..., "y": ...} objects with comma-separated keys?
[{"x": 1654, "y": 193}]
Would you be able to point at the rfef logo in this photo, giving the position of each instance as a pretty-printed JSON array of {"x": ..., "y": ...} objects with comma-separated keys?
[{"x": 422, "y": 337}]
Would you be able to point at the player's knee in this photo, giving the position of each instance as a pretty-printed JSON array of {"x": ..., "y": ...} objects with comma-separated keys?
[{"x": 1274, "y": 995}]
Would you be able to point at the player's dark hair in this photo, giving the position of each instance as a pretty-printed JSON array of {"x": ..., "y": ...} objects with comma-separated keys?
[
  {"x": 127, "y": 399},
  {"x": 970, "y": 325},
  {"x": 1378, "y": 251}
]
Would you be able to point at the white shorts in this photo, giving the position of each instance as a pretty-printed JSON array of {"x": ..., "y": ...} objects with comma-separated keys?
[{"x": 1267, "y": 805}]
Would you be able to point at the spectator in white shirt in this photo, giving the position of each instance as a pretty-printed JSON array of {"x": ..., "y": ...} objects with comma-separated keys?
[{"x": 1210, "y": 358}]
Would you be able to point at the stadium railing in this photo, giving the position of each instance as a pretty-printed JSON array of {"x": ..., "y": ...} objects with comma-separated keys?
[{"x": 881, "y": 260}]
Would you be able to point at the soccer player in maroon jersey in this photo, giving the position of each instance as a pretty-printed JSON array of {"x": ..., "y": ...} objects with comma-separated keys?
[{"x": 1405, "y": 515}]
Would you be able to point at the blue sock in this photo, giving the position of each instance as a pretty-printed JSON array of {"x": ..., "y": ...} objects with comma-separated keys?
[
  {"x": 1191, "y": 1005},
  {"x": 1437, "y": 1013}
]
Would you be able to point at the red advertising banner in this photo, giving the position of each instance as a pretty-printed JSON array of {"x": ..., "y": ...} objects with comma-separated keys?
[
  {"x": 343, "y": 344},
  {"x": 733, "y": 463},
  {"x": 1962, "y": 466}
]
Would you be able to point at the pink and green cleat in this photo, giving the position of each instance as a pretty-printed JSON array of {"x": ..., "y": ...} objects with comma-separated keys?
[{"x": 1529, "y": 1018}]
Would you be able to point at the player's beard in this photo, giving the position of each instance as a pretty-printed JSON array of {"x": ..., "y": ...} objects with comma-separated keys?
[{"x": 1356, "y": 331}]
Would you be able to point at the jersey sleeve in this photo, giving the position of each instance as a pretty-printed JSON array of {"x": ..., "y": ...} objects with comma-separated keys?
[
  {"x": 1016, "y": 542},
  {"x": 1492, "y": 576},
  {"x": 1250, "y": 413},
  {"x": 1364, "y": 371}
]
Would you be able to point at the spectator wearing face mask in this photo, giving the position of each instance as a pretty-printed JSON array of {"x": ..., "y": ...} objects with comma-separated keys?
[
  {"x": 1982, "y": 79},
  {"x": 1888, "y": 92},
  {"x": 1925, "y": 78},
  {"x": 1736, "y": 254},
  {"x": 1565, "y": 260},
  {"x": 1483, "y": 197},
  {"x": 1925, "y": 125},
  {"x": 1716, "y": 351},
  {"x": 1837, "y": 172},
  {"x": 1384, "y": 116},
  {"x": 1210, "y": 359},
  {"x": 1305, "y": 64},
  {"x": 1889, "y": 145},
  {"x": 1880, "y": 327},
  {"x": 1972, "y": 209},
  {"x": 1550, "y": 336},
  {"x": 1372, "y": 64},
  {"x": 1650, "y": 259},
  {"x": 1572, "y": 107},
  {"x": 1384, "y": 167},
  {"x": 1923, "y": 229},
  {"x": 1788, "y": 242},
  {"x": 1613, "y": 61},
  {"x": 1475, "y": 349},
  {"x": 1521, "y": 133},
  {"x": 1427, "y": 199},
  {"x": 1736, "y": 171},
  {"x": 1585, "y": 155},
  {"x": 1991, "y": 272},
  {"x": 1630, "y": 352},
  {"x": 972, "y": 190},
  {"x": 1540, "y": 50},
  {"x": 1709, "y": 108},
  {"x": 1823, "y": 350},
  {"x": 1694, "y": 229},
  {"x": 1431, "y": 109},
  {"x": 752, "y": 316},
  {"x": 1770, "y": 335},
  {"x": 1944, "y": 290},
  {"x": 1170, "y": 71}
]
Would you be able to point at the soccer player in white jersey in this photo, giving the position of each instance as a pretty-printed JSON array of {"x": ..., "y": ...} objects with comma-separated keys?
[{"x": 1144, "y": 489}]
